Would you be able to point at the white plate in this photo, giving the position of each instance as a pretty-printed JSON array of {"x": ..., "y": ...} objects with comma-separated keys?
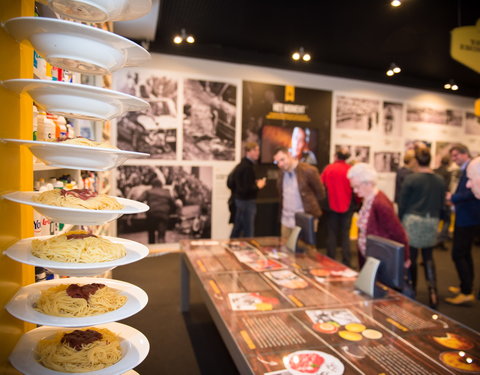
[
  {"x": 64, "y": 155},
  {"x": 77, "y": 101},
  {"x": 100, "y": 10},
  {"x": 77, "y": 216},
  {"x": 331, "y": 365},
  {"x": 134, "y": 346},
  {"x": 77, "y": 47},
  {"x": 21, "y": 305},
  {"x": 21, "y": 251}
]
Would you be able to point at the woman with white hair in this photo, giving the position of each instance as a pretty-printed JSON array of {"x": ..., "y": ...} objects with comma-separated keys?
[{"x": 377, "y": 215}]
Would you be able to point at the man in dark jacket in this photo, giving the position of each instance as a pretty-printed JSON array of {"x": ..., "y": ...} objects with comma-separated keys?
[
  {"x": 467, "y": 223},
  {"x": 299, "y": 187},
  {"x": 245, "y": 186},
  {"x": 161, "y": 205}
]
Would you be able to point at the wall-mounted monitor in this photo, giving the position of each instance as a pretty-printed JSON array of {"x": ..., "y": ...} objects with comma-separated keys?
[{"x": 302, "y": 142}]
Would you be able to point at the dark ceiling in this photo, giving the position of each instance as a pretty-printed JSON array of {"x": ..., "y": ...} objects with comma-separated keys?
[{"x": 353, "y": 39}]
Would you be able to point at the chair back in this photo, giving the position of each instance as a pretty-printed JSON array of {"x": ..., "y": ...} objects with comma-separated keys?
[{"x": 293, "y": 239}]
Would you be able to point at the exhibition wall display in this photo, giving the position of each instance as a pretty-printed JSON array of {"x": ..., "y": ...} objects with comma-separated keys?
[{"x": 204, "y": 111}]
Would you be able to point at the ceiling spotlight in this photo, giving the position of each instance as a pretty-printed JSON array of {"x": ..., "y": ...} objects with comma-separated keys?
[
  {"x": 451, "y": 85},
  {"x": 183, "y": 37},
  {"x": 301, "y": 54},
  {"x": 394, "y": 69},
  {"x": 395, "y": 3}
]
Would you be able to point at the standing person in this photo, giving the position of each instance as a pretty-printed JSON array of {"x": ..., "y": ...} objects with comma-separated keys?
[
  {"x": 404, "y": 171},
  {"x": 299, "y": 187},
  {"x": 473, "y": 175},
  {"x": 161, "y": 205},
  {"x": 445, "y": 216},
  {"x": 244, "y": 188},
  {"x": 377, "y": 215},
  {"x": 467, "y": 222},
  {"x": 340, "y": 204},
  {"x": 421, "y": 201}
]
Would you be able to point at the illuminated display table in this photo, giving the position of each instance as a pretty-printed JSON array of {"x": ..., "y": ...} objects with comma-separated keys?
[{"x": 280, "y": 313}]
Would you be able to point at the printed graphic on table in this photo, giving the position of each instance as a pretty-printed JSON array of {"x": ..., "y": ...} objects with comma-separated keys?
[
  {"x": 405, "y": 317},
  {"x": 327, "y": 270},
  {"x": 301, "y": 292},
  {"x": 312, "y": 361},
  {"x": 238, "y": 245},
  {"x": 366, "y": 344},
  {"x": 245, "y": 291},
  {"x": 254, "y": 259},
  {"x": 212, "y": 257}
]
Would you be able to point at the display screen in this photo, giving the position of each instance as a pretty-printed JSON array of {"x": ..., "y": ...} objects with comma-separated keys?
[{"x": 301, "y": 142}]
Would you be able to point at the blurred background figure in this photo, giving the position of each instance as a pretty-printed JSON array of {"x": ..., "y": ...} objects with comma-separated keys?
[
  {"x": 409, "y": 164},
  {"x": 299, "y": 187},
  {"x": 473, "y": 175},
  {"x": 244, "y": 187},
  {"x": 340, "y": 204},
  {"x": 161, "y": 205},
  {"x": 422, "y": 198},
  {"x": 467, "y": 223},
  {"x": 299, "y": 148},
  {"x": 377, "y": 215},
  {"x": 445, "y": 216}
]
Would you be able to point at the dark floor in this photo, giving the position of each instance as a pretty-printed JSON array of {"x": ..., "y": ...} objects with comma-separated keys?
[{"x": 190, "y": 344}]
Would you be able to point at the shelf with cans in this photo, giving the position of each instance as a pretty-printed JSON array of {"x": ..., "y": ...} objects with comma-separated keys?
[{"x": 72, "y": 172}]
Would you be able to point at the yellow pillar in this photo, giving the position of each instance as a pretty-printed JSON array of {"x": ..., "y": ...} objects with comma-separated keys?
[{"x": 16, "y": 168}]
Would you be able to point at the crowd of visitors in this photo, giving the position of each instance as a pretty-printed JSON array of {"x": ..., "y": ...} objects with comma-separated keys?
[{"x": 424, "y": 198}]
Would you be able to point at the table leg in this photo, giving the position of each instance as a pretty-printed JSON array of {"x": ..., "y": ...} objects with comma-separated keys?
[{"x": 184, "y": 286}]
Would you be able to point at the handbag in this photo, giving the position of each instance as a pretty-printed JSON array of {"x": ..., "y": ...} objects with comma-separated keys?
[{"x": 421, "y": 230}]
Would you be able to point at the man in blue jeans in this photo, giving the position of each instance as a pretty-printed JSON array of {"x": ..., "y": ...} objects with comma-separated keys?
[{"x": 245, "y": 186}]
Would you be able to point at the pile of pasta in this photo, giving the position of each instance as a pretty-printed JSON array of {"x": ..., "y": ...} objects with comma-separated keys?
[
  {"x": 81, "y": 141},
  {"x": 81, "y": 350},
  {"x": 73, "y": 300},
  {"x": 78, "y": 198},
  {"x": 77, "y": 247}
]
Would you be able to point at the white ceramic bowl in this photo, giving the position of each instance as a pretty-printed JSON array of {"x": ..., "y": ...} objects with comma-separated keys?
[
  {"x": 100, "y": 10},
  {"x": 77, "y": 216},
  {"x": 77, "y": 101},
  {"x": 77, "y": 47},
  {"x": 64, "y": 155},
  {"x": 21, "y": 251},
  {"x": 21, "y": 304},
  {"x": 134, "y": 345}
]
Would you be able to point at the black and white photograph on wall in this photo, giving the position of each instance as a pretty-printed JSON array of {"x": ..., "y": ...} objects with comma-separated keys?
[
  {"x": 472, "y": 124},
  {"x": 392, "y": 123},
  {"x": 180, "y": 201},
  {"x": 357, "y": 113},
  {"x": 386, "y": 161},
  {"x": 358, "y": 154},
  {"x": 294, "y": 113},
  {"x": 153, "y": 131},
  {"x": 436, "y": 116},
  {"x": 209, "y": 119}
]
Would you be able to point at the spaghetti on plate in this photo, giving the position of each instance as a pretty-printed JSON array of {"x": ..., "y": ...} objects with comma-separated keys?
[
  {"x": 81, "y": 350},
  {"x": 77, "y": 247},
  {"x": 78, "y": 198},
  {"x": 81, "y": 141},
  {"x": 73, "y": 300}
]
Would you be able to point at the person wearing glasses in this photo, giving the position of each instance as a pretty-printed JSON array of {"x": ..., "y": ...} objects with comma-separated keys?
[{"x": 377, "y": 215}]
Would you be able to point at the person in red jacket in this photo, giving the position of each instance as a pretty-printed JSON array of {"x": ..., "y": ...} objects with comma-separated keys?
[
  {"x": 340, "y": 204},
  {"x": 377, "y": 215}
]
